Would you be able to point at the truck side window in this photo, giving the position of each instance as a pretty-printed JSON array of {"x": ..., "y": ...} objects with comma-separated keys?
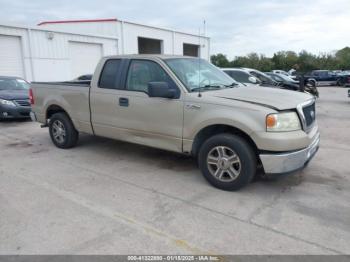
[
  {"x": 110, "y": 74},
  {"x": 141, "y": 72}
]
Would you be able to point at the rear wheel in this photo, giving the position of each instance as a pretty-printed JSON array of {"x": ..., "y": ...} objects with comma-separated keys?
[
  {"x": 62, "y": 131},
  {"x": 227, "y": 161},
  {"x": 312, "y": 82}
]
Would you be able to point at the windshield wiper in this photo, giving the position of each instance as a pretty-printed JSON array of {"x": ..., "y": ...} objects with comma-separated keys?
[
  {"x": 207, "y": 87},
  {"x": 214, "y": 87},
  {"x": 232, "y": 85}
]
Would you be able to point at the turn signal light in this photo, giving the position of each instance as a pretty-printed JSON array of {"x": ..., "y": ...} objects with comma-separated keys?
[{"x": 271, "y": 121}]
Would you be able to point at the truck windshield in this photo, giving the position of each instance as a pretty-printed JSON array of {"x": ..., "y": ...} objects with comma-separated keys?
[
  {"x": 13, "y": 84},
  {"x": 197, "y": 74}
]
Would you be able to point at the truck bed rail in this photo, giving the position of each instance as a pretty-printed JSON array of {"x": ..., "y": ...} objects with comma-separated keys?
[{"x": 66, "y": 83}]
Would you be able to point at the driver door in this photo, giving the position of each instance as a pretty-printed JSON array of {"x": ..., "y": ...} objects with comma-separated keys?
[{"x": 135, "y": 117}]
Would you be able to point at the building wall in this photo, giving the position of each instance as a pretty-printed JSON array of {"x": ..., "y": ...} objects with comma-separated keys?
[
  {"x": 45, "y": 50},
  {"x": 128, "y": 34},
  {"x": 132, "y": 32},
  {"x": 98, "y": 28},
  {"x": 46, "y": 54},
  {"x": 204, "y": 43}
]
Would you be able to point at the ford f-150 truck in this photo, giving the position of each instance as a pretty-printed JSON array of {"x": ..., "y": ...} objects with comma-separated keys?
[{"x": 185, "y": 105}]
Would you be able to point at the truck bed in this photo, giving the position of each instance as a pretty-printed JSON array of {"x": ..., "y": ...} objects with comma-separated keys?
[{"x": 73, "y": 96}]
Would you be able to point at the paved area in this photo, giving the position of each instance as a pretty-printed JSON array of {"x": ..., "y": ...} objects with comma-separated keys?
[{"x": 108, "y": 197}]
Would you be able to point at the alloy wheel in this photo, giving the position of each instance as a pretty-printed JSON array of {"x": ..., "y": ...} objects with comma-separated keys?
[
  {"x": 58, "y": 131},
  {"x": 224, "y": 164}
]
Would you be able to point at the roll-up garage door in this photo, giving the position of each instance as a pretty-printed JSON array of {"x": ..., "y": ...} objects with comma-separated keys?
[
  {"x": 84, "y": 57},
  {"x": 11, "y": 61},
  {"x": 191, "y": 50},
  {"x": 149, "y": 46}
]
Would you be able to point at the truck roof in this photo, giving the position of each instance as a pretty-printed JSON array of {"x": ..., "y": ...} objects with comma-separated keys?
[{"x": 159, "y": 56}]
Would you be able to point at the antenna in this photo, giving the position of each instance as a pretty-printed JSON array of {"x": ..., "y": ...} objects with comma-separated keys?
[
  {"x": 204, "y": 28},
  {"x": 199, "y": 64}
]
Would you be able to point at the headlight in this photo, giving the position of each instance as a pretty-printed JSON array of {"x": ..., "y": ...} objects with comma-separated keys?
[
  {"x": 282, "y": 122},
  {"x": 7, "y": 102}
]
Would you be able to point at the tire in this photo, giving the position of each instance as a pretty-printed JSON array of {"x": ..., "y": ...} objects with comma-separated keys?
[
  {"x": 62, "y": 131},
  {"x": 235, "y": 171},
  {"x": 312, "y": 83}
]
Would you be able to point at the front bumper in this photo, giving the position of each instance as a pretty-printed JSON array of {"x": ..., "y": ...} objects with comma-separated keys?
[
  {"x": 287, "y": 162},
  {"x": 7, "y": 112}
]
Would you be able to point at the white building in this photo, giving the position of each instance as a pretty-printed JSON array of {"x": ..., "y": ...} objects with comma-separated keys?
[
  {"x": 37, "y": 54},
  {"x": 63, "y": 50}
]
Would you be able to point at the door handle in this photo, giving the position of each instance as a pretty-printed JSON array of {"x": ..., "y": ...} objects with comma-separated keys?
[
  {"x": 123, "y": 101},
  {"x": 192, "y": 106}
]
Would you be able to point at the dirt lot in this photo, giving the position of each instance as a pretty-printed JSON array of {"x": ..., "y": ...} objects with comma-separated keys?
[{"x": 108, "y": 197}]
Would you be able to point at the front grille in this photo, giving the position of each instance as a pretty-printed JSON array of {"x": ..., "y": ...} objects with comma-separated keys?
[
  {"x": 309, "y": 114},
  {"x": 22, "y": 102}
]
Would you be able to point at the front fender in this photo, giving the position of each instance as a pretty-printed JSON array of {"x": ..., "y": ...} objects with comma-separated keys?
[{"x": 248, "y": 119}]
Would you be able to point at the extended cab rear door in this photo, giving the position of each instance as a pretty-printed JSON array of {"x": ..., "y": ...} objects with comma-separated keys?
[{"x": 122, "y": 109}]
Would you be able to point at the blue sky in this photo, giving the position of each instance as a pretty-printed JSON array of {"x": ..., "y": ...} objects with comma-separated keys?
[{"x": 235, "y": 27}]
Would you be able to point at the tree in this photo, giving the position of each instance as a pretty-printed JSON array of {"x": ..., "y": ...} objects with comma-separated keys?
[
  {"x": 220, "y": 60},
  {"x": 265, "y": 64},
  {"x": 327, "y": 61},
  {"x": 286, "y": 60},
  {"x": 307, "y": 62},
  {"x": 343, "y": 58}
]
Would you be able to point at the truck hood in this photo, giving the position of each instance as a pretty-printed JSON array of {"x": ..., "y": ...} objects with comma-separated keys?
[
  {"x": 277, "y": 99},
  {"x": 21, "y": 94}
]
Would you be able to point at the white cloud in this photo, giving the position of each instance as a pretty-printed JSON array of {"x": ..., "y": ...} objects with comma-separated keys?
[{"x": 317, "y": 27}]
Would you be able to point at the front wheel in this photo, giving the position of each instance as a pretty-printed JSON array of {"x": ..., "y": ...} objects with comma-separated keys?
[
  {"x": 62, "y": 131},
  {"x": 227, "y": 162}
]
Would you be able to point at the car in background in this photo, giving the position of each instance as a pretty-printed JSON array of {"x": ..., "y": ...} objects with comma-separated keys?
[
  {"x": 322, "y": 78},
  {"x": 285, "y": 81},
  {"x": 265, "y": 79},
  {"x": 241, "y": 76},
  {"x": 244, "y": 75},
  {"x": 290, "y": 84},
  {"x": 14, "y": 98},
  {"x": 343, "y": 78},
  {"x": 282, "y": 72}
]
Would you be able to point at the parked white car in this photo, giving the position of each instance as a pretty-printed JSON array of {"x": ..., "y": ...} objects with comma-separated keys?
[
  {"x": 242, "y": 76},
  {"x": 284, "y": 73}
]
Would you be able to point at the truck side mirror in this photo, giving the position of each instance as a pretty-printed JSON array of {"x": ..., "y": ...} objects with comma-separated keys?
[{"x": 161, "y": 89}]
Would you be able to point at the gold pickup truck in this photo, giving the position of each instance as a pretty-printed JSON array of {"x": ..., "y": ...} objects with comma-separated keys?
[{"x": 185, "y": 105}]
